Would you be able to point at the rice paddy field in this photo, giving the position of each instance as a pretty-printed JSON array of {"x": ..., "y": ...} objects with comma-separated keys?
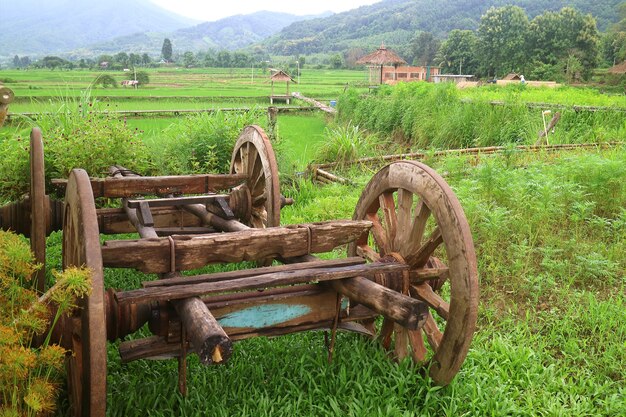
[{"x": 549, "y": 230}]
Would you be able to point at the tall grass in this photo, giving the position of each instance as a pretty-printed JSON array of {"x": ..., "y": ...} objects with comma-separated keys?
[{"x": 434, "y": 115}]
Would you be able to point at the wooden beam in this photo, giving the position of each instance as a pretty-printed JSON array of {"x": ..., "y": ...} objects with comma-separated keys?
[
  {"x": 224, "y": 276},
  {"x": 183, "y": 184},
  {"x": 115, "y": 221},
  {"x": 402, "y": 309},
  {"x": 254, "y": 282},
  {"x": 191, "y": 252}
]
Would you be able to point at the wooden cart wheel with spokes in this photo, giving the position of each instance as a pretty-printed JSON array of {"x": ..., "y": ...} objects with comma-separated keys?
[
  {"x": 87, "y": 367},
  {"x": 418, "y": 220},
  {"x": 254, "y": 156}
]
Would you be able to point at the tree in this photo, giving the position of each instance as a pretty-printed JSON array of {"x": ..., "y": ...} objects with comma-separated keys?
[
  {"x": 24, "y": 61},
  {"x": 352, "y": 55},
  {"x": 336, "y": 61},
  {"x": 145, "y": 59},
  {"x": 423, "y": 48},
  {"x": 16, "y": 62},
  {"x": 189, "y": 60},
  {"x": 613, "y": 47},
  {"x": 558, "y": 36},
  {"x": 105, "y": 80},
  {"x": 134, "y": 59},
  {"x": 457, "y": 54},
  {"x": 502, "y": 39},
  {"x": 142, "y": 77},
  {"x": 121, "y": 58},
  {"x": 166, "y": 50},
  {"x": 53, "y": 62}
]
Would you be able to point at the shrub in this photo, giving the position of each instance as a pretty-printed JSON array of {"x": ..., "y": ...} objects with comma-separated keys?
[
  {"x": 105, "y": 80},
  {"x": 29, "y": 377},
  {"x": 77, "y": 135},
  {"x": 345, "y": 143},
  {"x": 202, "y": 143}
]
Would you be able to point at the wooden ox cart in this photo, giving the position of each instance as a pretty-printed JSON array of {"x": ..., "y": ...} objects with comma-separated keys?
[{"x": 409, "y": 278}]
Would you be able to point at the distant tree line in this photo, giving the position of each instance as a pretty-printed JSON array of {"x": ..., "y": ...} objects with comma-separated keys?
[{"x": 563, "y": 45}]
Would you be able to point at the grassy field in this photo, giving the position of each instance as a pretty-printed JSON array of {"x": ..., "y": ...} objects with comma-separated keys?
[
  {"x": 550, "y": 234},
  {"x": 549, "y": 229}
]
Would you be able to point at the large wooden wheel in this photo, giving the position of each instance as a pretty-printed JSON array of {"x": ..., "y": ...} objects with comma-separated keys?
[
  {"x": 418, "y": 220},
  {"x": 81, "y": 247},
  {"x": 254, "y": 156},
  {"x": 39, "y": 206}
]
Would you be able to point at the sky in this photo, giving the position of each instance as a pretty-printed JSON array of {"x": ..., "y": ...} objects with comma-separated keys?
[{"x": 209, "y": 10}]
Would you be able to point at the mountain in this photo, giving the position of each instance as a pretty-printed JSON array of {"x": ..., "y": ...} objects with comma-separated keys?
[
  {"x": 231, "y": 33},
  {"x": 38, "y": 27},
  {"x": 394, "y": 22}
]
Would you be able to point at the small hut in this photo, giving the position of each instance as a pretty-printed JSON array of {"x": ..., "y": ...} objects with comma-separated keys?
[
  {"x": 280, "y": 76},
  {"x": 377, "y": 60}
]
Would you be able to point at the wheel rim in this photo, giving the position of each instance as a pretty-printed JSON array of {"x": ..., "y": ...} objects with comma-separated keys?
[
  {"x": 418, "y": 219},
  {"x": 254, "y": 156},
  {"x": 81, "y": 247}
]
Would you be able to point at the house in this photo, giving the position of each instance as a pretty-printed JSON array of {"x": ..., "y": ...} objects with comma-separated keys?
[
  {"x": 385, "y": 66},
  {"x": 104, "y": 64},
  {"x": 131, "y": 83},
  {"x": 392, "y": 75}
]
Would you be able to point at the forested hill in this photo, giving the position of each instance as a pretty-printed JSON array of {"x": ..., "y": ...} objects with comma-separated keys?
[
  {"x": 231, "y": 33},
  {"x": 52, "y": 26},
  {"x": 396, "y": 21}
]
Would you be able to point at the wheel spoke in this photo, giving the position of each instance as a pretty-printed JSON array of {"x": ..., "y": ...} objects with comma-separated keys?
[
  {"x": 379, "y": 233},
  {"x": 386, "y": 332},
  {"x": 405, "y": 203},
  {"x": 418, "y": 349},
  {"x": 433, "y": 334},
  {"x": 418, "y": 225},
  {"x": 419, "y": 276},
  {"x": 401, "y": 347},
  {"x": 259, "y": 200},
  {"x": 365, "y": 251},
  {"x": 425, "y": 293},
  {"x": 420, "y": 258},
  {"x": 388, "y": 207}
]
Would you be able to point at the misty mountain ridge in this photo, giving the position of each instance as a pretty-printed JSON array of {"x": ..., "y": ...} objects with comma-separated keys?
[
  {"x": 48, "y": 27},
  {"x": 231, "y": 33}
]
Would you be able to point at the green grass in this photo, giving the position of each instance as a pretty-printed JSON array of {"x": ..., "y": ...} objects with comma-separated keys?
[
  {"x": 550, "y": 235},
  {"x": 300, "y": 136}
]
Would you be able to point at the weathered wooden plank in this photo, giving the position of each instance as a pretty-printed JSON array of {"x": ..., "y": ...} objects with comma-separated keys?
[
  {"x": 223, "y": 276},
  {"x": 176, "y": 201},
  {"x": 182, "y": 184},
  {"x": 402, "y": 309},
  {"x": 115, "y": 221},
  {"x": 191, "y": 252},
  {"x": 263, "y": 281}
]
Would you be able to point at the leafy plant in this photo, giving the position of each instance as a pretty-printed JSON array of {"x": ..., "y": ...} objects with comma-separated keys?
[
  {"x": 202, "y": 143},
  {"x": 30, "y": 376},
  {"x": 344, "y": 143},
  {"x": 79, "y": 134}
]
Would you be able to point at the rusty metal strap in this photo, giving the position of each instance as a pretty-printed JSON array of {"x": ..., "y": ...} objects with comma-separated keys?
[
  {"x": 172, "y": 254},
  {"x": 122, "y": 172}
]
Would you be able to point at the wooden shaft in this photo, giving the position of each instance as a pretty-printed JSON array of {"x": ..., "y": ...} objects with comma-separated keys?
[
  {"x": 206, "y": 335},
  {"x": 212, "y": 220},
  {"x": 402, "y": 309}
]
